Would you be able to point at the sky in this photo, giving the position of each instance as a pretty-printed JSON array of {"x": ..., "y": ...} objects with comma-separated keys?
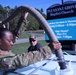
[{"x": 33, "y": 3}]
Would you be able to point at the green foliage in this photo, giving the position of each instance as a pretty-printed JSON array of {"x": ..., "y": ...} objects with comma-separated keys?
[
  {"x": 2, "y": 10},
  {"x": 14, "y": 21},
  {"x": 32, "y": 23}
]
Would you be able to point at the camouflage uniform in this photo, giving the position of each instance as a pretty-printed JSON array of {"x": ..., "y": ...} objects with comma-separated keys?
[
  {"x": 3, "y": 55},
  {"x": 12, "y": 61}
]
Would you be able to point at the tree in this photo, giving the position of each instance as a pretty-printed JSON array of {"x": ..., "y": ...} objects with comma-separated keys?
[
  {"x": 32, "y": 23},
  {"x": 2, "y": 12},
  {"x": 41, "y": 10}
]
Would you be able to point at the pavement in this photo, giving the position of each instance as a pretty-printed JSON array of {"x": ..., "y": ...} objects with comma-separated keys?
[
  {"x": 18, "y": 41},
  {"x": 40, "y": 36}
]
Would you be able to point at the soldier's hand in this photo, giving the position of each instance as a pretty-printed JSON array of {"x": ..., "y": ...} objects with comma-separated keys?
[{"x": 56, "y": 45}]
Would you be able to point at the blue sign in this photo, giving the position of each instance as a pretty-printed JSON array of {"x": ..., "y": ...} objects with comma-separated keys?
[
  {"x": 64, "y": 28},
  {"x": 56, "y": 11}
]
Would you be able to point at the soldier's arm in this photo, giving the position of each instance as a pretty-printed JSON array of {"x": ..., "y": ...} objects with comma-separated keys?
[{"x": 26, "y": 59}]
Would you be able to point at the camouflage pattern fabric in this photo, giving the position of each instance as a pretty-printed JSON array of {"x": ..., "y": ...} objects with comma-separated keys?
[{"x": 12, "y": 61}]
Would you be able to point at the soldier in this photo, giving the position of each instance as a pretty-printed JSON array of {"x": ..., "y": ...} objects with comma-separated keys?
[{"x": 8, "y": 60}]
